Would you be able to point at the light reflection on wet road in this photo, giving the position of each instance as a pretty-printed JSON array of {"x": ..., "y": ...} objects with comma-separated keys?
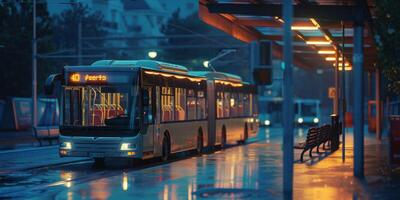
[
  {"x": 252, "y": 171},
  {"x": 187, "y": 178},
  {"x": 219, "y": 175}
]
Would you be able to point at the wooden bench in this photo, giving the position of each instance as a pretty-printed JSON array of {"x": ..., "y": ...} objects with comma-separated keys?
[
  {"x": 324, "y": 136},
  {"x": 311, "y": 142}
]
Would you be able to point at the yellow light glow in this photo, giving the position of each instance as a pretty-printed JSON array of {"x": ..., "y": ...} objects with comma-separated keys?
[
  {"x": 346, "y": 68},
  {"x": 340, "y": 64},
  {"x": 315, "y": 22},
  {"x": 174, "y": 75},
  {"x": 304, "y": 28},
  {"x": 125, "y": 182},
  {"x": 99, "y": 77},
  {"x": 328, "y": 38},
  {"x": 229, "y": 83},
  {"x": 75, "y": 78},
  {"x": 326, "y": 52},
  {"x": 333, "y": 58},
  {"x": 318, "y": 42},
  {"x": 232, "y": 102}
]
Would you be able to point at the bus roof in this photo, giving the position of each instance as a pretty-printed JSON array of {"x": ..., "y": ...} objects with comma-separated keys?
[
  {"x": 217, "y": 75},
  {"x": 147, "y": 64},
  {"x": 159, "y": 66}
]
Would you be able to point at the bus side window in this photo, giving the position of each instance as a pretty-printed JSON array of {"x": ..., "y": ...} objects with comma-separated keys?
[
  {"x": 167, "y": 104},
  {"x": 226, "y": 97},
  {"x": 201, "y": 105},
  {"x": 220, "y": 109},
  {"x": 191, "y": 105},
  {"x": 180, "y": 107},
  {"x": 246, "y": 105},
  {"x": 147, "y": 106}
]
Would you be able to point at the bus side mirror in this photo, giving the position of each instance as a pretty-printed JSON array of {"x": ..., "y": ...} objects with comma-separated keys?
[
  {"x": 50, "y": 83},
  {"x": 146, "y": 97}
]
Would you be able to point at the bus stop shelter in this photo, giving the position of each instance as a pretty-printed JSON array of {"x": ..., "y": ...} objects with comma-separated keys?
[{"x": 310, "y": 34}]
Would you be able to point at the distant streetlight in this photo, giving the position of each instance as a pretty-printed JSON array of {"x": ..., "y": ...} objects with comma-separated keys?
[
  {"x": 152, "y": 54},
  {"x": 205, "y": 63}
]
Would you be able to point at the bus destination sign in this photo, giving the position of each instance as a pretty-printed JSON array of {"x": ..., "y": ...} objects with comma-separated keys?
[
  {"x": 76, "y": 78},
  {"x": 97, "y": 78}
]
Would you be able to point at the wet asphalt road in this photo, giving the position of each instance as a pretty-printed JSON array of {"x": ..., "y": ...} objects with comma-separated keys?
[
  {"x": 212, "y": 176},
  {"x": 251, "y": 171}
]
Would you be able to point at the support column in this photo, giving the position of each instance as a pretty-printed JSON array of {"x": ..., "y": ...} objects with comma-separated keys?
[
  {"x": 288, "y": 116},
  {"x": 358, "y": 101},
  {"x": 343, "y": 96},
  {"x": 336, "y": 99},
  {"x": 378, "y": 103}
]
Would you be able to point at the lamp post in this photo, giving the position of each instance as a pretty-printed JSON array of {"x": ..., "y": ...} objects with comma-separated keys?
[{"x": 34, "y": 69}]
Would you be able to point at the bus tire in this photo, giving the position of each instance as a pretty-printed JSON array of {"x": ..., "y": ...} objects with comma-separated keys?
[
  {"x": 223, "y": 138},
  {"x": 246, "y": 133},
  {"x": 99, "y": 162},
  {"x": 165, "y": 149},
  {"x": 199, "y": 146}
]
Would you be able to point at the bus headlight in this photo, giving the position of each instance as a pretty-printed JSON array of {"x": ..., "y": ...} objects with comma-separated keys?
[
  {"x": 66, "y": 145},
  {"x": 267, "y": 122},
  {"x": 126, "y": 147},
  {"x": 316, "y": 120},
  {"x": 300, "y": 120}
]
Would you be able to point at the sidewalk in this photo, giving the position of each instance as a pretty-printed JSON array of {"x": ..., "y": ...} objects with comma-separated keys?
[
  {"x": 328, "y": 177},
  {"x": 19, "y": 139}
]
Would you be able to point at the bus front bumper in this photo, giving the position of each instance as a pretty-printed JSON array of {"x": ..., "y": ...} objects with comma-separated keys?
[{"x": 100, "y": 147}]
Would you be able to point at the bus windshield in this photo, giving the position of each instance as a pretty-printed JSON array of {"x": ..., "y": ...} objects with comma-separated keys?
[
  {"x": 309, "y": 109},
  {"x": 98, "y": 106}
]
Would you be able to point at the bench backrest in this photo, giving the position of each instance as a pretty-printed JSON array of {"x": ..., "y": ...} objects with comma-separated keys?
[
  {"x": 312, "y": 137},
  {"x": 325, "y": 133}
]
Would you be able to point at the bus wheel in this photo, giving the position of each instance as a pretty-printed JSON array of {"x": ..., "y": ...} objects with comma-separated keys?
[
  {"x": 165, "y": 149},
  {"x": 246, "y": 134},
  {"x": 199, "y": 147},
  {"x": 223, "y": 139},
  {"x": 99, "y": 162}
]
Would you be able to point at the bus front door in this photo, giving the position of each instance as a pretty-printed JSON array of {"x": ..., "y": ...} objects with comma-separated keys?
[{"x": 150, "y": 120}]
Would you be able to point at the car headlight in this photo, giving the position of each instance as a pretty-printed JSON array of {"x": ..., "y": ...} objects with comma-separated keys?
[
  {"x": 300, "y": 120},
  {"x": 66, "y": 145},
  {"x": 316, "y": 120},
  {"x": 267, "y": 122},
  {"x": 126, "y": 147}
]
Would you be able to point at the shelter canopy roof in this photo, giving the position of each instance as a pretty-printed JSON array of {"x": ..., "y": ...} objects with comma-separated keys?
[{"x": 317, "y": 27}]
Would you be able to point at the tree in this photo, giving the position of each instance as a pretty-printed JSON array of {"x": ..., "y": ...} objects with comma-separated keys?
[
  {"x": 66, "y": 28},
  {"x": 387, "y": 24},
  {"x": 16, "y": 45}
]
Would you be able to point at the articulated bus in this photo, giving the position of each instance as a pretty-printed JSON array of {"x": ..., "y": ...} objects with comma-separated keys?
[{"x": 144, "y": 109}]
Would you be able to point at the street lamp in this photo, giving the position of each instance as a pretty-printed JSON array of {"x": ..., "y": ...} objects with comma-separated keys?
[
  {"x": 152, "y": 54},
  {"x": 205, "y": 63}
]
